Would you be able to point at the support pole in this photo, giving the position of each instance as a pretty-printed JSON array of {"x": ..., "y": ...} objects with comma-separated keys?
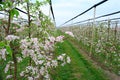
[{"x": 93, "y": 32}]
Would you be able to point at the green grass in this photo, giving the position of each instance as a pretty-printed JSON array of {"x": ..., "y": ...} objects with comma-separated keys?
[{"x": 79, "y": 68}]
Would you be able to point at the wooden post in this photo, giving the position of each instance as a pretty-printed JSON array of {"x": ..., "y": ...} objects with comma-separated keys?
[
  {"x": 93, "y": 31},
  {"x": 108, "y": 30},
  {"x": 79, "y": 29},
  {"x": 116, "y": 25}
]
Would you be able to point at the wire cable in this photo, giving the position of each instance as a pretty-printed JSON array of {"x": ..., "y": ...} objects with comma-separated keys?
[
  {"x": 98, "y": 17},
  {"x": 51, "y": 8},
  {"x": 85, "y": 11}
]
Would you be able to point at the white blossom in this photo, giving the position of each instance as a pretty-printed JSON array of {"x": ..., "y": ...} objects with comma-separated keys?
[
  {"x": 47, "y": 76},
  {"x": 10, "y": 62},
  {"x": 19, "y": 59},
  {"x": 40, "y": 61},
  {"x": 7, "y": 68},
  {"x": 3, "y": 53},
  {"x": 69, "y": 33},
  {"x": 25, "y": 53},
  {"x": 34, "y": 40},
  {"x": 11, "y": 37},
  {"x": 31, "y": 52},
  {"x": 23, "y": 46},
  {"x": 60, "y": 58},
  {"x": 22, "y": 73},
  {"x": 48, "y": 64},
  {"x": 30, "y": 78},
  {"x": 54, "y": 63},
  {"x": 48, "y": 45},
  {"x": 63, "y": 54},
  {"x": 25, "y": 43},
  {"x": 42, "y": 70},
  {"x": 52, "y": 39},
  {"x": 59, "y": 38},
  {"x": 9, "y": 76},
  {"x": 63, "y": 63},
  {"x": 42, "y": 56},
  {"x": 68, "y": 60}
]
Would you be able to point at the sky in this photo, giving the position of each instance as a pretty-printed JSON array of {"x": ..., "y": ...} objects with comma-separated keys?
[{"x": 67, "y": 9}]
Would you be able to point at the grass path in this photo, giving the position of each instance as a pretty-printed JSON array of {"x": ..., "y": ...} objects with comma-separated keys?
[{"x": 79, "y": 69}]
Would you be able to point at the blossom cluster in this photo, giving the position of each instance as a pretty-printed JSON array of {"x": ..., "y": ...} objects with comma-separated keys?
[
  {"x": 3, "y": 51},
  {"x": 3, "y": 54},
  {"x": 49, "y": 44},
  {"x": 8, "y": 66},
  {"x": 42, "y": 56},
  {"x": 11, "y": 38},
  {"x": 69, "y": 33}
]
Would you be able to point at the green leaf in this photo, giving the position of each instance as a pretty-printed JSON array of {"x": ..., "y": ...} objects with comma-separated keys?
[
  {"x": 27, "y": 0},
  {"x": 9, "y": 3},
  {"x": 13, "y": 13},
  {"x": 9, "y": 50},
  {"x": 1, "y": 7},
  {"x": 2, "y": 44},
  {"x": 16, "y": 13}
]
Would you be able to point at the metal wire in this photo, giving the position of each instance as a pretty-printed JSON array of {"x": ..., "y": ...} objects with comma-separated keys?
[
  {"x": 85, "y": 11},
  {"x": 51, "y": 8},
  {"x": 97, "y": 17}
]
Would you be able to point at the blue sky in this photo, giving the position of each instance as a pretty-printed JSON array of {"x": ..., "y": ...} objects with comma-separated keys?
[{"x": 66, "y": 9}]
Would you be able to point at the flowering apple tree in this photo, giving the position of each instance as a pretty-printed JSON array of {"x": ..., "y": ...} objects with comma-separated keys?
[
  {"x": 31, "y": 57},
  {"x": 40, "y": 53}
]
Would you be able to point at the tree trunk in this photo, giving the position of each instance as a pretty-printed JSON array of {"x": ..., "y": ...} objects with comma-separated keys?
[
  {"x": 15, "y": 65},
  {"x": 9, "y": 23}
]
